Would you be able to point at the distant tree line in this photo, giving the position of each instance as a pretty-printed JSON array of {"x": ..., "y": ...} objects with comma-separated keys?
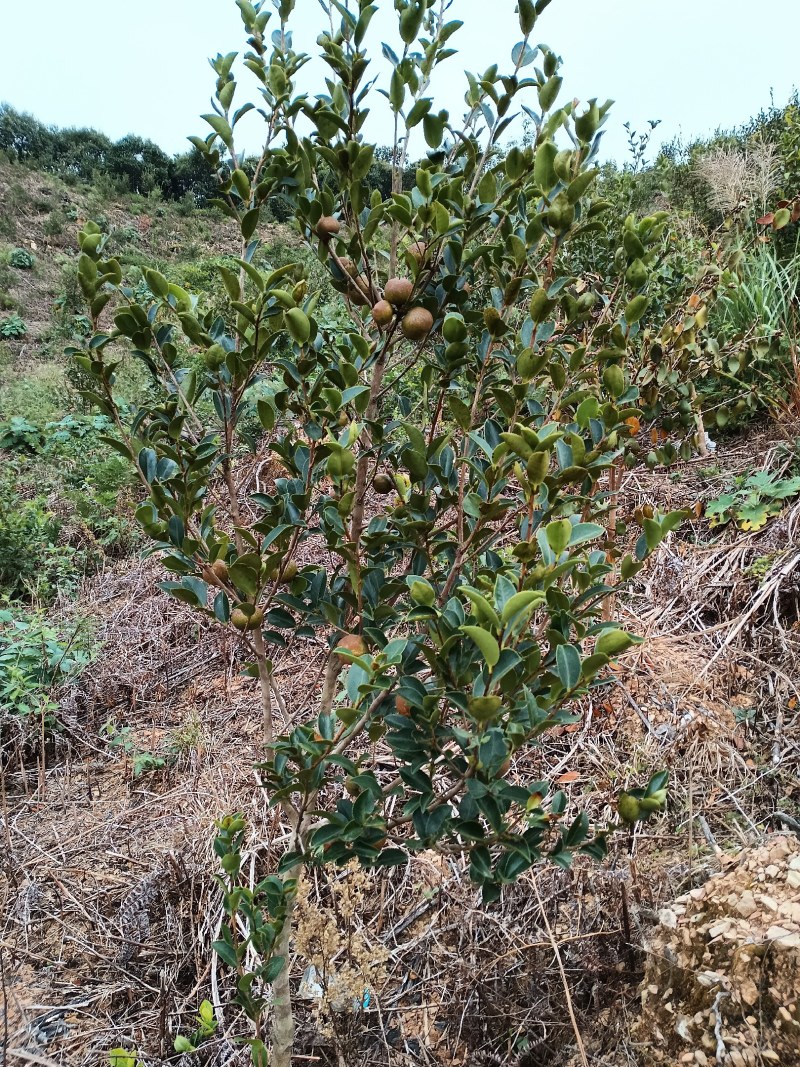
[
  {"x": 135, "y": 163},
  {"x": 138, "y": 164}
]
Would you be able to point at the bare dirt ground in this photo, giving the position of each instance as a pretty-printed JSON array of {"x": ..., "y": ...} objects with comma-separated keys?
[{"x": 109, "y": 903}]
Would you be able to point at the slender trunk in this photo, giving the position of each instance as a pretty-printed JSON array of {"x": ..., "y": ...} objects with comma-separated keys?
[
  {"x": 282, "y": 1014},
  {"x": 702, "y": 447},
  {"x": 614, "y": 479},
  {"x": 265, "y": 682}
]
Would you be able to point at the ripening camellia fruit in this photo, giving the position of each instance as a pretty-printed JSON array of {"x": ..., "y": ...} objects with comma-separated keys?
[
  {"x": 247, "y": 617},
  {"x": 402, "y": 706},
  {"x": 220, "y": 568},
  {"x": 417, "y": 324},
  {"x": 383, "y": 484},
  {"x": 358, "y": 291},
  {"x": 353, "y": 643},
  {"x": 418, "y": 250},
  {"x": 286, "y": 570},
  {"x": 398, "y": 291},
  {"x": 382, "y": 313},
  {"x": 327, "y": 227}
]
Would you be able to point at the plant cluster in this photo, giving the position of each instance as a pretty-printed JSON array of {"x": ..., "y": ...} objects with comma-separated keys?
[
  {"x": 36, "y": 658},
  {"x": 21, "y": 258},
  {"x": 12, "y": 328},
  {"x": 754, "y": 500}
]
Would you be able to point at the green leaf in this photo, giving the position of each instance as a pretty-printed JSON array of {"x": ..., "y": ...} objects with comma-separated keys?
[
  {"x": 226, "y": 953},
  {"x": 273, "y": 968},
  {"x": 520, "y": 602},
  {"x": 488, "y": 646},
  {"x": 568, "y": 665},
  {"x": 613, "y": 642},
  {"x": 220, "y": 127}
]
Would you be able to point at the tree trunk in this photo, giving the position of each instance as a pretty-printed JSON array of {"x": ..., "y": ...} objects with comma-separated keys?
[{"x": 282, "y": 1014}]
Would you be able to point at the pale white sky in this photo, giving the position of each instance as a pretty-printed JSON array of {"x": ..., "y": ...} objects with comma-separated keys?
[{"x": 141, "y": 67}]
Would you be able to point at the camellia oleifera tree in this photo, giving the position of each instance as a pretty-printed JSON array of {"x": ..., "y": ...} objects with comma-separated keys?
[{"x": 445, "y": 431}]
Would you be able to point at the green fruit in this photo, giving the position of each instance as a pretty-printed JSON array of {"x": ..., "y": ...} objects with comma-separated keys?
[
  {"x": 340, "y": 462},
  {"x": 635, "y": 308},
  {"x": 214, "y": 357},
  {"x": 454, "y": 328},
  {"x": 290, "y": 571},
  {"x": 562, "y": 164},
  {"x": 527, "y": 364},
  {"x": 561, "y": 214},
  {"x": 298, "y": 325},
  {"x": 484, "y": 709},
  {"x": 628, "y": 808},
  {"x": 417, "y": 324},
  {"x": 634, "y": 249},
  {"x": 637, "y": 274},
  {"x": 398, "y": 291},
  {"x": 247, "y": 617},
  {"x": 383, "y": 484},
  {"x": 537, "y": 467},
  {"x": 494, "y": 323}
]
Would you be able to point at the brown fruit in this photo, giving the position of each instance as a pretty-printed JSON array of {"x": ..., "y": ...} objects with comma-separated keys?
[
  {"x": 382, "y": 313},
  {"x": 383, "y": 484},
  {"x": 358, "y": 290},
  {"x": 327, "y": 227},
  {"x": 418, "y": 250},
  {"x": 247, "y": 619},
  {"x": 417, "y": 324},
  {"x": 348, "y": 266},
  {"x": 402, "y": 706},
  {"x": 220, "y": 568},
  {"x": 398, "y": 291},
  {"x": 352, "y": 643},
  {"x": 505, "y": 767}
]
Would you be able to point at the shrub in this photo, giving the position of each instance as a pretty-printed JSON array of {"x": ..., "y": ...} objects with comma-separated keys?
[
  {"x": 21, "y": 259},
  {"x": 35, "y": 659},
  {"x": 470, "y": 559},
  {"x": 12, "y": 328},
  {"x": 33, "y": 565}
]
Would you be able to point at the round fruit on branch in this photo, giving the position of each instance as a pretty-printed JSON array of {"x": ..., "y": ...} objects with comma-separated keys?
[
  {"x": 247, "y": 617},
  {"x": 327, "y": 227},
  {"x": 417, "y": 324},
  {"x": 398, "y": 291},
  {"x": 382, "y": 313},
  {"x": 352, "y": 643}
]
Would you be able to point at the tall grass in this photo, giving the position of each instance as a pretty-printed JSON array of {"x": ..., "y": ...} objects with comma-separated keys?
[{"x": 765, "y": 300}]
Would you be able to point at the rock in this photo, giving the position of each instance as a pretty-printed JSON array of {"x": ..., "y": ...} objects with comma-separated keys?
[{"x": 726, "y": 962}]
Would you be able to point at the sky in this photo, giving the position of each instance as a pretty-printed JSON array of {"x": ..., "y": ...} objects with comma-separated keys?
[{"x": 142, "y": 67}]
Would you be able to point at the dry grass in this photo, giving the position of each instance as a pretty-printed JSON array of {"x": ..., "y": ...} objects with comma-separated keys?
[{"x": 108, "y": 896}]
